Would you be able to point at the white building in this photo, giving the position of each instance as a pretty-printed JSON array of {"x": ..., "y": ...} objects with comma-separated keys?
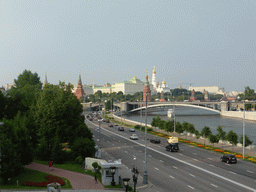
[
  {"x": 127, "y": 87},
  {"x": 210, "y": 89},
  {"x": 156, "y": 86}
]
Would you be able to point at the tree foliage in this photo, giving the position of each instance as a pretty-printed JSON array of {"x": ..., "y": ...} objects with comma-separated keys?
[
  {"x": 213, "y": 139},
  {"x": 83, "y": 147},
  {"x": 232, "y": 138},
  {"x": 247, "y": 140}
]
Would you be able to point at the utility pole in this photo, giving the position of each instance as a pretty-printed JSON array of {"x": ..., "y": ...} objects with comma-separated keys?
[{"x": 174, "y": 118}]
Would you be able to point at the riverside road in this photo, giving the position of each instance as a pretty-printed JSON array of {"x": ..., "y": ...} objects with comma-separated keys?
[{"x": 189, "y": 169}]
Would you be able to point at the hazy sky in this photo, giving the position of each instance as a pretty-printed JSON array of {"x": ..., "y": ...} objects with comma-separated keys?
[{"x": 205, "y": 42}]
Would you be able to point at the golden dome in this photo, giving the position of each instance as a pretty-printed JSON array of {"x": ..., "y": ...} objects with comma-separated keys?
[{"x": 163, "y": 82}]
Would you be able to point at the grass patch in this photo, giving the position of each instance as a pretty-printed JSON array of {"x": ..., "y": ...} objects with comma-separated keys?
[
  {"x": 71, "y": 166},
  {"x": 30, "y": 175}
]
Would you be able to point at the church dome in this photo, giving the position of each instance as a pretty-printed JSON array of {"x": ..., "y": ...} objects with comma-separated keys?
[{"x": 163, "y": 82}]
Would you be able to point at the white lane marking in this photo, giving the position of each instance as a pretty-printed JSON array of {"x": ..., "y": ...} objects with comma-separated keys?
[
  {"x": 171, "y": 176},
  {"x": 249, "y": 171},
  {"x": 156, "y": 169},
  {"x": 175, "y": 167},
  {"x": 191, "y": 187},
  {"x": 195, "y": 159},
  {"x": 194, "y": 153},
  {"x": 192, "y": 175},
  {"x": 184, "y": 162},
  {"x": 181, "y": 154},
  {"x": 182, "y": 149},
  {"x": 211, "y": 165},
  {"x": 125, "y": 151},
  {"x": 118, "y": 147},
  {"x": 113, "y": 144},
  {"x": 228, "y": 164},
  {"x": 214, "y": 185},
  {"x": 150, "y": 155},
  {"x": 232, "y": 172},
  {"x": 209, "y": 158},
  {"x": 161, "y": 161}
]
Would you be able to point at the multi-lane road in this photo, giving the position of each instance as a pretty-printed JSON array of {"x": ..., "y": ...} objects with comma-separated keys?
[{"x": 189, "y": 169}]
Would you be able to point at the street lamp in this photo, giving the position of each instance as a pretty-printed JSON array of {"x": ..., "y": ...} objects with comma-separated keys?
[
  {"x": 113, "y": 170},
  {"x": 244, "y": 128},
  {"x": 135, "y": 177},
  {"x": 141, "y": 112},
  {"x": 126, "y": 183},
  {"x": 145, "y": 177}
]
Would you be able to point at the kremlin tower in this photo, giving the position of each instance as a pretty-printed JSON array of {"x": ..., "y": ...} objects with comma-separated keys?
[
  {"x": 79, "y": 89},
  {"x": 146, "y": 89}
]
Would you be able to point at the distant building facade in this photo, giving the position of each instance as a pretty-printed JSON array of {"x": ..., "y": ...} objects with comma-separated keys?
[
  {"x": 127, "y": 87},
  {"x": 209, "y": 89}
]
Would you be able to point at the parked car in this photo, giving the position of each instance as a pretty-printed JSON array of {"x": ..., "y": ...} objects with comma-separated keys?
[
  {"x": 111, "y": 125},
  {"x": 120, "y": 129},
  {"x": 134, "y": 137},
  {"x": 228, "y": 158},
  {"x": 131, "y": 130},
  {"x": 155, "y": 140}
]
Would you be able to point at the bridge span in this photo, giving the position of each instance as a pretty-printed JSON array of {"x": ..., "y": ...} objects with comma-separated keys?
[{"x": 207, "y": 107}]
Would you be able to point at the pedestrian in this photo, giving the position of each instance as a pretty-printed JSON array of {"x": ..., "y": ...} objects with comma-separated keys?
[
  {"x": 50, "y": 165},
  {"x": 96, "y": 180}
]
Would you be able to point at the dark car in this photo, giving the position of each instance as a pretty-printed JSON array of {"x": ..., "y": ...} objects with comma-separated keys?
[
  {"x": 155, "y": 140},
  {"x": 229, "y": 158},
  {"x": 111, "y": 125},
  {"x": 120, "y": 129},
  {"x": 107, "y": 121},
  {"x": 172, "y": 147}
]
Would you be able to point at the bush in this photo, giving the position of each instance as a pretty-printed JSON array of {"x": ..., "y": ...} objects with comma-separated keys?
[
  {"x": 83, "y": 147},
  {"x": 136, "y": 126},
  {"x": 68, "y": 155},
  {"x": 150, "y": 129},
  {"x": 95, "y": 165},
  {"x": 79, "y": 160}
]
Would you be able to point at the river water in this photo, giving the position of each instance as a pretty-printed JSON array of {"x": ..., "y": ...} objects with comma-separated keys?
[{"x": 200, "y": 118}]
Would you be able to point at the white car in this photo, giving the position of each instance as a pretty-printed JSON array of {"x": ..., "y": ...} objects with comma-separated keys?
[{"x": 134, "y": 136}]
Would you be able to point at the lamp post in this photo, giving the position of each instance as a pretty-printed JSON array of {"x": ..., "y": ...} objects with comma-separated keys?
[
  {"x": 113, "y": 170},
  {"x": 126, "y": 183},
  {"x": 174, "y": 118},
  {"x": 145, "y": 177},
  {"x": 1, "y": 123},
  {"x": 135, "y": 177},
  {"x": 141, "y": 112},
  {"x": 244, "y": 128}
]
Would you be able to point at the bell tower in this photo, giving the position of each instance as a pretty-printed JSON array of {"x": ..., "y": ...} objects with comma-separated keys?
[{"x": 146, "y": 90}]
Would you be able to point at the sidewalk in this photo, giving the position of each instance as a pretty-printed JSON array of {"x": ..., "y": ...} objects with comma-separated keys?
[{"x": 77, "y": 180}]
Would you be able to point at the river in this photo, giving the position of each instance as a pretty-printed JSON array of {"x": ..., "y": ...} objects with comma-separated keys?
[{"x": 200, "y": 118}]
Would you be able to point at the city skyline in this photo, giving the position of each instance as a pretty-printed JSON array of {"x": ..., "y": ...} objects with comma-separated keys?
[{"x": 201, "y": 42}]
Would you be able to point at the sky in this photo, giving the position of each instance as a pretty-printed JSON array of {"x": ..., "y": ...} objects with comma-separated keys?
[{"x": 195, "y": 42}]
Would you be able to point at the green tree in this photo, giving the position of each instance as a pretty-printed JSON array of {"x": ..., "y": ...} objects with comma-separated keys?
[
  {"x": 179, "y": 128},
  {"x": 27, "y": 77},
  {"x": 83, "y": 147},
  {"x": 169, "y": 126},
  {"x": 10, "y": 160},
  {"x": 57, "y": 112},
  {"x": 213, "y": 139},
  {"x": 185, "y": 126},
  {"x": 57, "y": 154},
  {"x": 247, "y": 140},
  {"x": 197, "y": 133},
  {"x": 191, "y": 128},
  {"x": 2, "y": 105},
  {"x": 221, "y": 134},
  {"x": 206, "y": 132},
  {"x": 232, "y": 138}
]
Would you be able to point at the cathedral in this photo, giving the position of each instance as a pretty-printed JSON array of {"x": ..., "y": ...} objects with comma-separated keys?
[{"x": 156, "y": 86}]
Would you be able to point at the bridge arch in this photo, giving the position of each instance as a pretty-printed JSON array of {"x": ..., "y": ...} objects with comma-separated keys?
[{"x": 187, "y": 105}]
